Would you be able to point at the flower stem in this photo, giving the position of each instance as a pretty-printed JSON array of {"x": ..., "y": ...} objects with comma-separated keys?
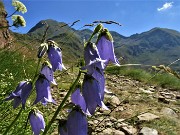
[
  {"x": 62, "y": 103},
  {"x": 35, "y": 75},
  {"x": 13, "y": 122}
]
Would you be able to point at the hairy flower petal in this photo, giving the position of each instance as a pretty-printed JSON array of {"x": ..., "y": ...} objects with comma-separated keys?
[
  {"x": 37, "y": 122},
  {"x": 106, "y": 50},
  {"x": 43, "y": 91},
  {"x": 91, "y": 93},
  {"x": 55, "y": 57},
  {"x": 48, "y": 73},
  {"x": 78, "y": 99},
  {"x": 77, "y": 123},
  {"x": 21, "y": 93}
]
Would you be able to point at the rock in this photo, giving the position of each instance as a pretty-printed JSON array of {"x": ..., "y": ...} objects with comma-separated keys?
[
  {"x": 117, "y": 132},
  {"x": 147, "y": 117},
  {"x": 108, "y": 124},
  {"x": 168, "y": 95},
  {"x": 113, "y": 119},
  {"x": 119, "y": 109},
  {"x": 148, "y": 131},
  {"x": 146, "y": 91},
  {"x": 177, "y": 96},
  {"x": 129, "y": 130},
  {"x": 107, "y": 131},
  {"x": 168, "y": 112},
  {"x": 115, "y": 101},
  {"x": 163, "y": 99},
  {"x": 95, "y": 121}
]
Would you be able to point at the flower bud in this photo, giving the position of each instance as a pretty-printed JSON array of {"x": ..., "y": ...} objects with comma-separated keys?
[
  {"x": 42, "y": 50},
  {"x": 98, "y": 28}
]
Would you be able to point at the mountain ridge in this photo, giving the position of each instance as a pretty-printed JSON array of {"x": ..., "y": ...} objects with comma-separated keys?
[{"x": 156, "y": 46}]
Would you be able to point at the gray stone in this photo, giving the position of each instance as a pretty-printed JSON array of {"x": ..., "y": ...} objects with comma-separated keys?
[
  {"x": 108, "y": 124},
  {"x": 146, "y": 91},
  {"x": 115, "y": 101},
  {"x": 147, "y": 117},
  {"x": 168, "y": 112},
  {"x": 129, "y": 130},
  {"x": 107, "y": 131},
  {"x": 117, "y": 132},
  {"x": 177, "y": 96},
  {"x": 148, "y": 131},
  {"x": 163, "y": 99}
]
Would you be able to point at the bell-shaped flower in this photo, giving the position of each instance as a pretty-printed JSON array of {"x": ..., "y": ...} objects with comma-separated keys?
[
  {"x": 106, "y": 50},
  {"x": 92, "y": 57},
  {"x": 92, "y": 94},
  {"x": 77, "y": 123},
  {"x": 48, "y": 72},
  {"x": 55, "y": 56},
  {"x": 78, "y": 99},
  {"x": 62, "y": 127},
  {"x": 37, "y": 122},
  {"x": 98, "y": 74},
  {"x": 21, "y": 94},
  {"x": 43, "y": 91}
]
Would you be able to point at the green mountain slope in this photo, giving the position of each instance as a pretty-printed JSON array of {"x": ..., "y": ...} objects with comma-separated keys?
[{"x": 156, "y": 46}]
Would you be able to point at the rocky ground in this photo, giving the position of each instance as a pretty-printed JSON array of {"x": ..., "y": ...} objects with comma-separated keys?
[{"x": 136, "y": 108}]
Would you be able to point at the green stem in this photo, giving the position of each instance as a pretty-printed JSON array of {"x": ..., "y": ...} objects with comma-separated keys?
[
  {"x": 35, "y": 75},
  {"x": 91, "y": 37},
  {"x": 62, "y": 103},
  {"x": 13, "y": 122}
]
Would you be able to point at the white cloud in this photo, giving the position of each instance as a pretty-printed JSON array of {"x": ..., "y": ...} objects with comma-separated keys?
[{"x": 166, "y": 6}]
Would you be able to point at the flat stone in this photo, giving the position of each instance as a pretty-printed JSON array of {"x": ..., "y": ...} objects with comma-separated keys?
[
  {"x": 148, "y": 131},
  {"x": 168, "y": 112},
  {"x": 177, "y": 96},
  {"x": 163, "y": 99},
  {"x": 117, "y": 132},
  {"x": 129, "y": 130},
  {"x": 107, "y": 131},
  {"x": 146, "y": 91},
  {"x": 147, "y": 117},
  {"x": 115, "y": 101}
]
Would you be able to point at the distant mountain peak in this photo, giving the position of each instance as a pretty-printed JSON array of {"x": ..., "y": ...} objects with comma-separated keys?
[{"x": 50, "y": 22}]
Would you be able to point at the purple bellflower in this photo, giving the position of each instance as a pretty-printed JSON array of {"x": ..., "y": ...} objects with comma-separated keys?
[
  {"x": 21, "y": 94},
  {"x": 37, "y": 122},
  {"x": 78, "y": 99},
  {"x": 106, "y": 50},
  {"x": 48, "y": 72},
  {"x": 62, "y": 128},
  {"x": 92, "y": 57},
  {"x": 92, "y": 94},
  {"x": 55, "y": 56},
  {"x": 43, "y": 91},
  {"x": 77, "y": 123}
]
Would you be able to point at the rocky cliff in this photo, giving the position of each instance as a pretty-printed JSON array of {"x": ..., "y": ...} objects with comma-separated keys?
[{"x": 5, "y": 38}]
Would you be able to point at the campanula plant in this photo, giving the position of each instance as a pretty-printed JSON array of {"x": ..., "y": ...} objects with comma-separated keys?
[
  {"x": 106, "y": 48},
  {"x": 55, "y": 56},
  {"x": 85, "y": 98},
  {"x": 37, "y": 122},
  {"x": 43, "y": 90},
  {"x": 21, "y": 94},
  {"x": 47, "y": 71}
]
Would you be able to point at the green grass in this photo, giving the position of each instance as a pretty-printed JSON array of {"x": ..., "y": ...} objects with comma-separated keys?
[
  {"x": 164, "y": 126},
  {"x": 161, "y": 79}
]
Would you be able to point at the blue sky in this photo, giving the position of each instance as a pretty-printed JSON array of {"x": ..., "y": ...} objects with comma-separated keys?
[{"x": 136, "y": 16}]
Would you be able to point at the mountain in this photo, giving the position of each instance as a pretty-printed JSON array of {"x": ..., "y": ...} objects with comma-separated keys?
[
  {"x": 67, "y": 37},
  {"x": 154, "y": 47}
]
